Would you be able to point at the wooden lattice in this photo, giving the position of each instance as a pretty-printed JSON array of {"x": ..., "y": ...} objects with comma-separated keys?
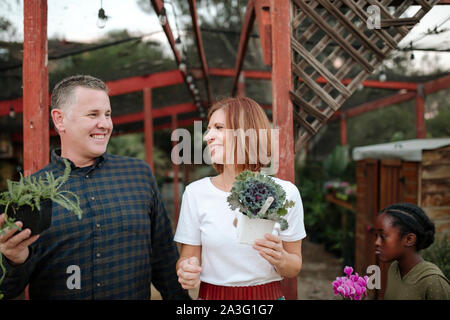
[{"x": 330, "y": 41}]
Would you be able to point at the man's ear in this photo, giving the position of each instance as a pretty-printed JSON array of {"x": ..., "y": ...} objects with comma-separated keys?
[
  {"x": 410, "y": 240},
  {"x": 58, "y": 119}
]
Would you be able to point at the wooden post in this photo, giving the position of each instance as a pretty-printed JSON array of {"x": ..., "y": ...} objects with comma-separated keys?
[
  {"x": 420, "y": 113},
  {"x": 175, "y": 178},
  {"x": 282, "y": 105},
  {"x": 35, "y": 87},
  {"x": 148, "y": 127},
  {"x": 343, "y": 128}
]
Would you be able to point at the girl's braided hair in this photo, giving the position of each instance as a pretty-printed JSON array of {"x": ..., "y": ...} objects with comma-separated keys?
[{"x": 410, "y": 218}]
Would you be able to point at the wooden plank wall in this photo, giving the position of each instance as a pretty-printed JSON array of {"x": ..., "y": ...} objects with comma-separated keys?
[
  {"x": 366, "y": 208},
  {"x": 435, "y": 188}
]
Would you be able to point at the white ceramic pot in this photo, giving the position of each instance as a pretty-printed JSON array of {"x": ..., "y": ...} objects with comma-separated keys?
[{"x": 248, "y": 230}]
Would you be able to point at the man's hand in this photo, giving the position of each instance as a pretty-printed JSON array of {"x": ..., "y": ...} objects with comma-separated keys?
[
  {"x": 15, "y": 247},
  {"x": 189, "y": 273}
]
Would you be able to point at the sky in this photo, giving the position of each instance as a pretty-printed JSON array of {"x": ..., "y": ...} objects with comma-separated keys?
[{"x": 75, "y": 20}]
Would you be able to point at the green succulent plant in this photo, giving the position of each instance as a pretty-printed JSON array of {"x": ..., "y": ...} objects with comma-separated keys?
[
  {"x": 251, "y": 190},
  {"x": 31, "y": 191}
]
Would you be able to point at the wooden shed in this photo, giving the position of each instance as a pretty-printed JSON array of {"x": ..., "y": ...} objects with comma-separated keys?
[{"x": 416, "y": 171}]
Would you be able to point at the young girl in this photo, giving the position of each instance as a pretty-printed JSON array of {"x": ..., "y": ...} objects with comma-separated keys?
[
  {"x": 402, "y": 230},
  {"x": 211, "y": 256}
]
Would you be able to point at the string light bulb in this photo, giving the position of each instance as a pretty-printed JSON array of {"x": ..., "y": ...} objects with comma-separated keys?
[
  {"x": 182, "y": 67},
  {"x": 178, "y": 44},
  {"x": 162, "y": 17},
  {"x": 102, "y": 17}
]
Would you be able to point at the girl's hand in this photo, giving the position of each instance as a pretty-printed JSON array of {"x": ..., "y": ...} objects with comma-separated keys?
[
  {"x": 271, "y": 249},
  {"x": 189, "y": 273}
]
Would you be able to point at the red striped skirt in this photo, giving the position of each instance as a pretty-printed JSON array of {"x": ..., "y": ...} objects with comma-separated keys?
[{"x": 268, "y": 291}]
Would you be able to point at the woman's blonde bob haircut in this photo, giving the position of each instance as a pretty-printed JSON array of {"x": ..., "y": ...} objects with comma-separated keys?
[{"x": 245, "y": 113}]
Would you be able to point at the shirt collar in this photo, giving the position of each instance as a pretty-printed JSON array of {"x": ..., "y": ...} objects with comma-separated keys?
[{"x": 58, "y": 161}]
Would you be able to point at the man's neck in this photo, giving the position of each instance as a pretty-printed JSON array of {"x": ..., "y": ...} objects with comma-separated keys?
[{"x": 80, "y": 162}]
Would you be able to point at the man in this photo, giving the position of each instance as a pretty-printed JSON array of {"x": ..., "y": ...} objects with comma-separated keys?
[{"x": 124, "y": 240}]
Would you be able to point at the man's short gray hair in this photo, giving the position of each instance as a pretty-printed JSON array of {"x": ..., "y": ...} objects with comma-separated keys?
[{"x": 64, "y": 90}]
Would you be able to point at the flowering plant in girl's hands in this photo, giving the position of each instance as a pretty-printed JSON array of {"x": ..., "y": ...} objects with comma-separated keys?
[
  {"x": 250, "y": 192},
  {"x": 352, "y": 287}
]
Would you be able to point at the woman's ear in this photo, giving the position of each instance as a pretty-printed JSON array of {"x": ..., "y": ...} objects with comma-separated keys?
[
  {"x": 410, "y": 240},
  {"x": 58, "y": 119}
]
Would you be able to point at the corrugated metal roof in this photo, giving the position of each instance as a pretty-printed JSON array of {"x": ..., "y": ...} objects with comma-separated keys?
[{"x": 408, "y": 150}]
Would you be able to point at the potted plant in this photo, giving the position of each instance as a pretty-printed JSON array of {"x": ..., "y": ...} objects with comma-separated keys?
[
  {"x": 262, "y": 205},
  {"x": 30, "y": 200}
]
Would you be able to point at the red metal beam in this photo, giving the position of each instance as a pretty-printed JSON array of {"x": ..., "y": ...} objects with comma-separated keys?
[
  {"x": 173, "y": 77},
  {"x": 18, "y": 137},
  {"x": 282, "y": 105},
  {"x": 241, "y": 86},
  {"x": 200, "y": 50},
  {"x": 420, "y": 114},
  {"x": 428, "y": 88},
  {"x": 262, "y": 11},
  {"x": 249, "y": 19},
  {"x": 148, "y": 126},
  {"x": 436, "y": 85},
  {"x": 158, "y": 5},
  {"x": 156, "y": 113},
  {"x": 343, "y": 129},
  {"x": 154, "y": 80},
  {"x": 35, "y": 87},
  {"x": 116, "y": 87},
  {"x": 393, "y": 85},
  {"x": 381, "y": 103},
  {"x": 374, "y": 105}
]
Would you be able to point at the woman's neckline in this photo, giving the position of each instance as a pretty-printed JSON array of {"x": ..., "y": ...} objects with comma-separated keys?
[{"x": 217, "y": 188}]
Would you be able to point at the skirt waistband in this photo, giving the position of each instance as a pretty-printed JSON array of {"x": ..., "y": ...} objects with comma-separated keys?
[{"x": 268, "y": 291}]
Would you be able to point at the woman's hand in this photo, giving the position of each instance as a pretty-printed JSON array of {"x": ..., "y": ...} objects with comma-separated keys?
[
  {"x": 189, "y": 273},
  {"x": 286, "y": 257},
  {"x": 271, "y": 249}
]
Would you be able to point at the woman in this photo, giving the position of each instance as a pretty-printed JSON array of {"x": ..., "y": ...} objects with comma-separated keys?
[{"x": 211, "y": 256}]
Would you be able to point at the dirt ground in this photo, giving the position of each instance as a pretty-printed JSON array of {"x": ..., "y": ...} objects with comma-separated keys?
[{"x": 319, "y": 270}]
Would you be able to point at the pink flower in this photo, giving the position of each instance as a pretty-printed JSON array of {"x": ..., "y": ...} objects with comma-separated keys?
[
  {"x": 362, "y": 281},
  {"x": 351, "y": 286},
  {"x": 354, "y": 277},
  {"x": 348, "y": 270}
]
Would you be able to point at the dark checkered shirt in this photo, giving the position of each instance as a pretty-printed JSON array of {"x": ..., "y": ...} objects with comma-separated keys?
[{"x": 123, "y": 242}]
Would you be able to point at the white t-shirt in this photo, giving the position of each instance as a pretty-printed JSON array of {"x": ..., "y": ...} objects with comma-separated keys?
[{"x": 206, "y": 220}]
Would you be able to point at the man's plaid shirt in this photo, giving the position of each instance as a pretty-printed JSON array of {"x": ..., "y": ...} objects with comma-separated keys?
[{"x": 123, "y": 242}]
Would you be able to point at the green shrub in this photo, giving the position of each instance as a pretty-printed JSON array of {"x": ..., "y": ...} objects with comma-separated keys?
[{"x": 439, "y": 254}]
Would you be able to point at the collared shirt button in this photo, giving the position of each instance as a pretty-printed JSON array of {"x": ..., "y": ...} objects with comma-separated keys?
[
  {"x": 92, "y": 198},
  {"x": 87, "y": 176},
  {"x": 98, "y": 254},
  {"x": 98, "y": 225},
  {"x": 99, "y": 284}
]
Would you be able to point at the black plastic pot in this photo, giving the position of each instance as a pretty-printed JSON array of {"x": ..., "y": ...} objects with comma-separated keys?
[{"x": 35, "y": 220}]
